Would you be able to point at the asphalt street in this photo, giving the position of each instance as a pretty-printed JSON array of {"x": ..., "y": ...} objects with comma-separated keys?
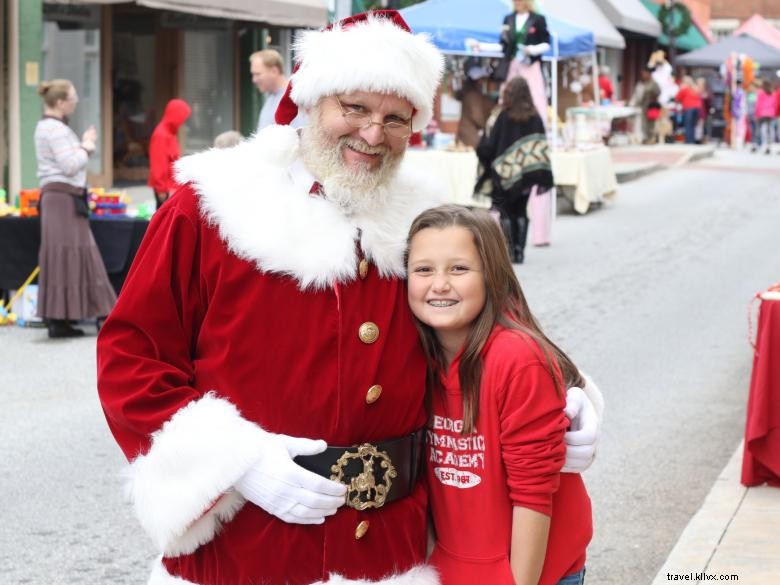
[{"x": 649, "y": 294}]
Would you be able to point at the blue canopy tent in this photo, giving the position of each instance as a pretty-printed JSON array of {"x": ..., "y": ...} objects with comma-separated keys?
[{"x": 451, "y": 22}]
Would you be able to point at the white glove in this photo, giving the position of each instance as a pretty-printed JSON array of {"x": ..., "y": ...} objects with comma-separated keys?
[
  {"x": 581, "y": 440},
  {"x": 285, "y": 489}
]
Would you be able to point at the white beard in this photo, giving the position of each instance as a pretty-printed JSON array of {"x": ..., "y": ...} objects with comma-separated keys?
[{"x": 356, "y": 190}]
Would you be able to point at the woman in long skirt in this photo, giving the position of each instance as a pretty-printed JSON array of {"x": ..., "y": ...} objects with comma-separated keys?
[
  {"x": 73, "y": 284},
  {"x": 525, "y": 38}
]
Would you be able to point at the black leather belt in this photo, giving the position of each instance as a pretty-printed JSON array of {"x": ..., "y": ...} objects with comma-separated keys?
[{"x": 375, "y": 473}]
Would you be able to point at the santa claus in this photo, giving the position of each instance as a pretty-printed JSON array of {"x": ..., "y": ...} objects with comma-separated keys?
[{"x": 261, "y": 370}]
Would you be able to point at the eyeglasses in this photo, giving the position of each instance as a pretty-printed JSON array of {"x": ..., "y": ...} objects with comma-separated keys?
[{"x": 362, "y": 120}]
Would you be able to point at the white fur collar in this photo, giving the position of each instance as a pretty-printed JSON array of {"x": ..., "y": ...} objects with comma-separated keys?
[{"x": 266, "y": 217}]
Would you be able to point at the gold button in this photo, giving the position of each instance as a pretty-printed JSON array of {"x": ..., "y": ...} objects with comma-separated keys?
[
  {"x": 368, "y": 332},
  {"x": 373, "y": 394},
  {"x": 361, "y": 530},
  {"x": 363, "y": 269}
]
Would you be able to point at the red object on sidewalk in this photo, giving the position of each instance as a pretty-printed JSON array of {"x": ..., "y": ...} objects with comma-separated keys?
[{"x": 761, "y": 458}]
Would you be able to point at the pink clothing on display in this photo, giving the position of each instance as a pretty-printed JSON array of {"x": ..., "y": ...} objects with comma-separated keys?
[
  {"x": 540, "y": 212},
  {"x": 766, "y": 104}
]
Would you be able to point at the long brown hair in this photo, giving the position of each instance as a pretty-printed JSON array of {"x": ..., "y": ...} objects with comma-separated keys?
[
  {"x": 517, "y": 100},
  {"x": 505, "y": 305}
]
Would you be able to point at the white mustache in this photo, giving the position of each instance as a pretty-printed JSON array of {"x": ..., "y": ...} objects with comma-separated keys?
[{"x": 361, "y": 146}]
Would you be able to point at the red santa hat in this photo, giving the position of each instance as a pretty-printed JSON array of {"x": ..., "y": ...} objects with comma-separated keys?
[{"x": 373, "y": 52}]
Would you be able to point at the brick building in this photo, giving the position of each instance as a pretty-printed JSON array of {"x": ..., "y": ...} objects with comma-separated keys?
[{"x": 727, "y": 15}]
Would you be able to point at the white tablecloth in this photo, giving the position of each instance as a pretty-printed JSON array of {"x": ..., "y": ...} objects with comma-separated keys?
[
  {"x": 602, "y": 117},
  {"x": 589, "y": 172},
  {"x": 455, "y": 170}
]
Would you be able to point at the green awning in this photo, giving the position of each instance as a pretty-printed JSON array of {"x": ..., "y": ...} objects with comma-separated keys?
[{"x": 690, "y": 41}]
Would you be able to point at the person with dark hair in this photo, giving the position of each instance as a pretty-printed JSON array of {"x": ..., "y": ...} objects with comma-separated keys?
[
  {"x": 515, "y": 157},
  {"x": 496, "y": 386},
  {"x": 164, "y": 150},
  {"x": 73, "y": 284},
  {"x": 524, "y": 39}
]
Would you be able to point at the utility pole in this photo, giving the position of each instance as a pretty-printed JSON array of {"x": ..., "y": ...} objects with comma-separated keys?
[{"x": 668, "y": 26}]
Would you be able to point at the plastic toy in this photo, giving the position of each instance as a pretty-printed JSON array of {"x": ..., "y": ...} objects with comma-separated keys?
[{"x": 6, "y": 316}]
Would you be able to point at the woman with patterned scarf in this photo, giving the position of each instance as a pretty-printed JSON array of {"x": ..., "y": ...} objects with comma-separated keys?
[{"x": 515, "y": 157}]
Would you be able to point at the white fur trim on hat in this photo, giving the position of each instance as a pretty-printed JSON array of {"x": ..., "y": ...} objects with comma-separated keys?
[
  {"x": 374, "y": 55},
  {"x": 182, "y": 489}
]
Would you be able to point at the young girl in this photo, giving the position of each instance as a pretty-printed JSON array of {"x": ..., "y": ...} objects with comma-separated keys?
[{"x": 502, "y": 511}]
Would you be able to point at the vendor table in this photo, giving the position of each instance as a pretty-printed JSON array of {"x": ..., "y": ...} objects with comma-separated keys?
[
  {"x": 118, "y": 240},
  {"x": 761, "y": 457},
  {"x": 455, "y": 170},
  {"x": 600, "y": 119},
  {"x": 589, "y": 172}
]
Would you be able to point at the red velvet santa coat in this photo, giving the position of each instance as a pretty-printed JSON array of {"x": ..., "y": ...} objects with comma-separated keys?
[{"x": 242, "y": 311}]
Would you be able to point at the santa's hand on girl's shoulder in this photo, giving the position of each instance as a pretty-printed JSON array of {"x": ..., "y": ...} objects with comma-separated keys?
[{"x": 584, "y": 408}]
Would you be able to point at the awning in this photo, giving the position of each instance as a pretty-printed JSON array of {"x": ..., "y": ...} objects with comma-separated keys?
[
  {"x": 759, "y": 28},
  {"x": 630, "y": 15},
  {"x": 589, "y": 17},
  {"x": 715, "y": 55},
  {"x": 690, "y": 41},
  {"x": 290, "y": 13}
]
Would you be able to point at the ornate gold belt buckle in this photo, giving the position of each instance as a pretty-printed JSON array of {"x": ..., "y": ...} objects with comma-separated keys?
[{"x": 364, "y": 491}]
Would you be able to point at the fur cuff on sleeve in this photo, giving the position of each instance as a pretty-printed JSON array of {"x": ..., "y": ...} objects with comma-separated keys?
[
  {"x": 182, "y": 488},
  {"x": 421, "y": 575},
  {"x": 594, "y": 395}
]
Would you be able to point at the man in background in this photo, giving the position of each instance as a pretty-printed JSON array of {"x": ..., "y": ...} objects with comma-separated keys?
[{"x": 268, "y": 76}]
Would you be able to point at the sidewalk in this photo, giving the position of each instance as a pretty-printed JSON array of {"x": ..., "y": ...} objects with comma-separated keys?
[
  {"x": 735, "y": 532},
  {"x": 632, "y": 162}
]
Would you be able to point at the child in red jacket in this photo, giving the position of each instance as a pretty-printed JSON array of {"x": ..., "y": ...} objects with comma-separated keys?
[
  {"x": 503, "y": 512},
  {"x": 164, "y": 150}
]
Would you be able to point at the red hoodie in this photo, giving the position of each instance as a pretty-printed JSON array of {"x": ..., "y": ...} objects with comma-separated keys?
[{"x": 164, "y": 146}]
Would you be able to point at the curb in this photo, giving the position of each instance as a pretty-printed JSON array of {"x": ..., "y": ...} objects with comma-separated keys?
[
  {"x": 637, "y": 171},
  {"x": 698, "y": 542},
  {"x": 696, "y": 156}
]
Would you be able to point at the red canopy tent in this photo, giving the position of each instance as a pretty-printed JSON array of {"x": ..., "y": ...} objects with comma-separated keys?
[{"x": 757, "y": 27}]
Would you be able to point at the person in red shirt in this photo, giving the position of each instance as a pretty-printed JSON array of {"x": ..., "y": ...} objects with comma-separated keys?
[
  {"x": 496, "y": 390},
  {"x": 688, "y": 96},
  {"x": 164, "y": 150},
  {"x": 606, "y": 89}
]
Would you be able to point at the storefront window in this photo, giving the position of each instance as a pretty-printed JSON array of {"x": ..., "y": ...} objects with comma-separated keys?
[
  {"x": 71, "y": 50},
  {"x": 207, "y": 84},
  {"x": 135, "y": 107}
]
